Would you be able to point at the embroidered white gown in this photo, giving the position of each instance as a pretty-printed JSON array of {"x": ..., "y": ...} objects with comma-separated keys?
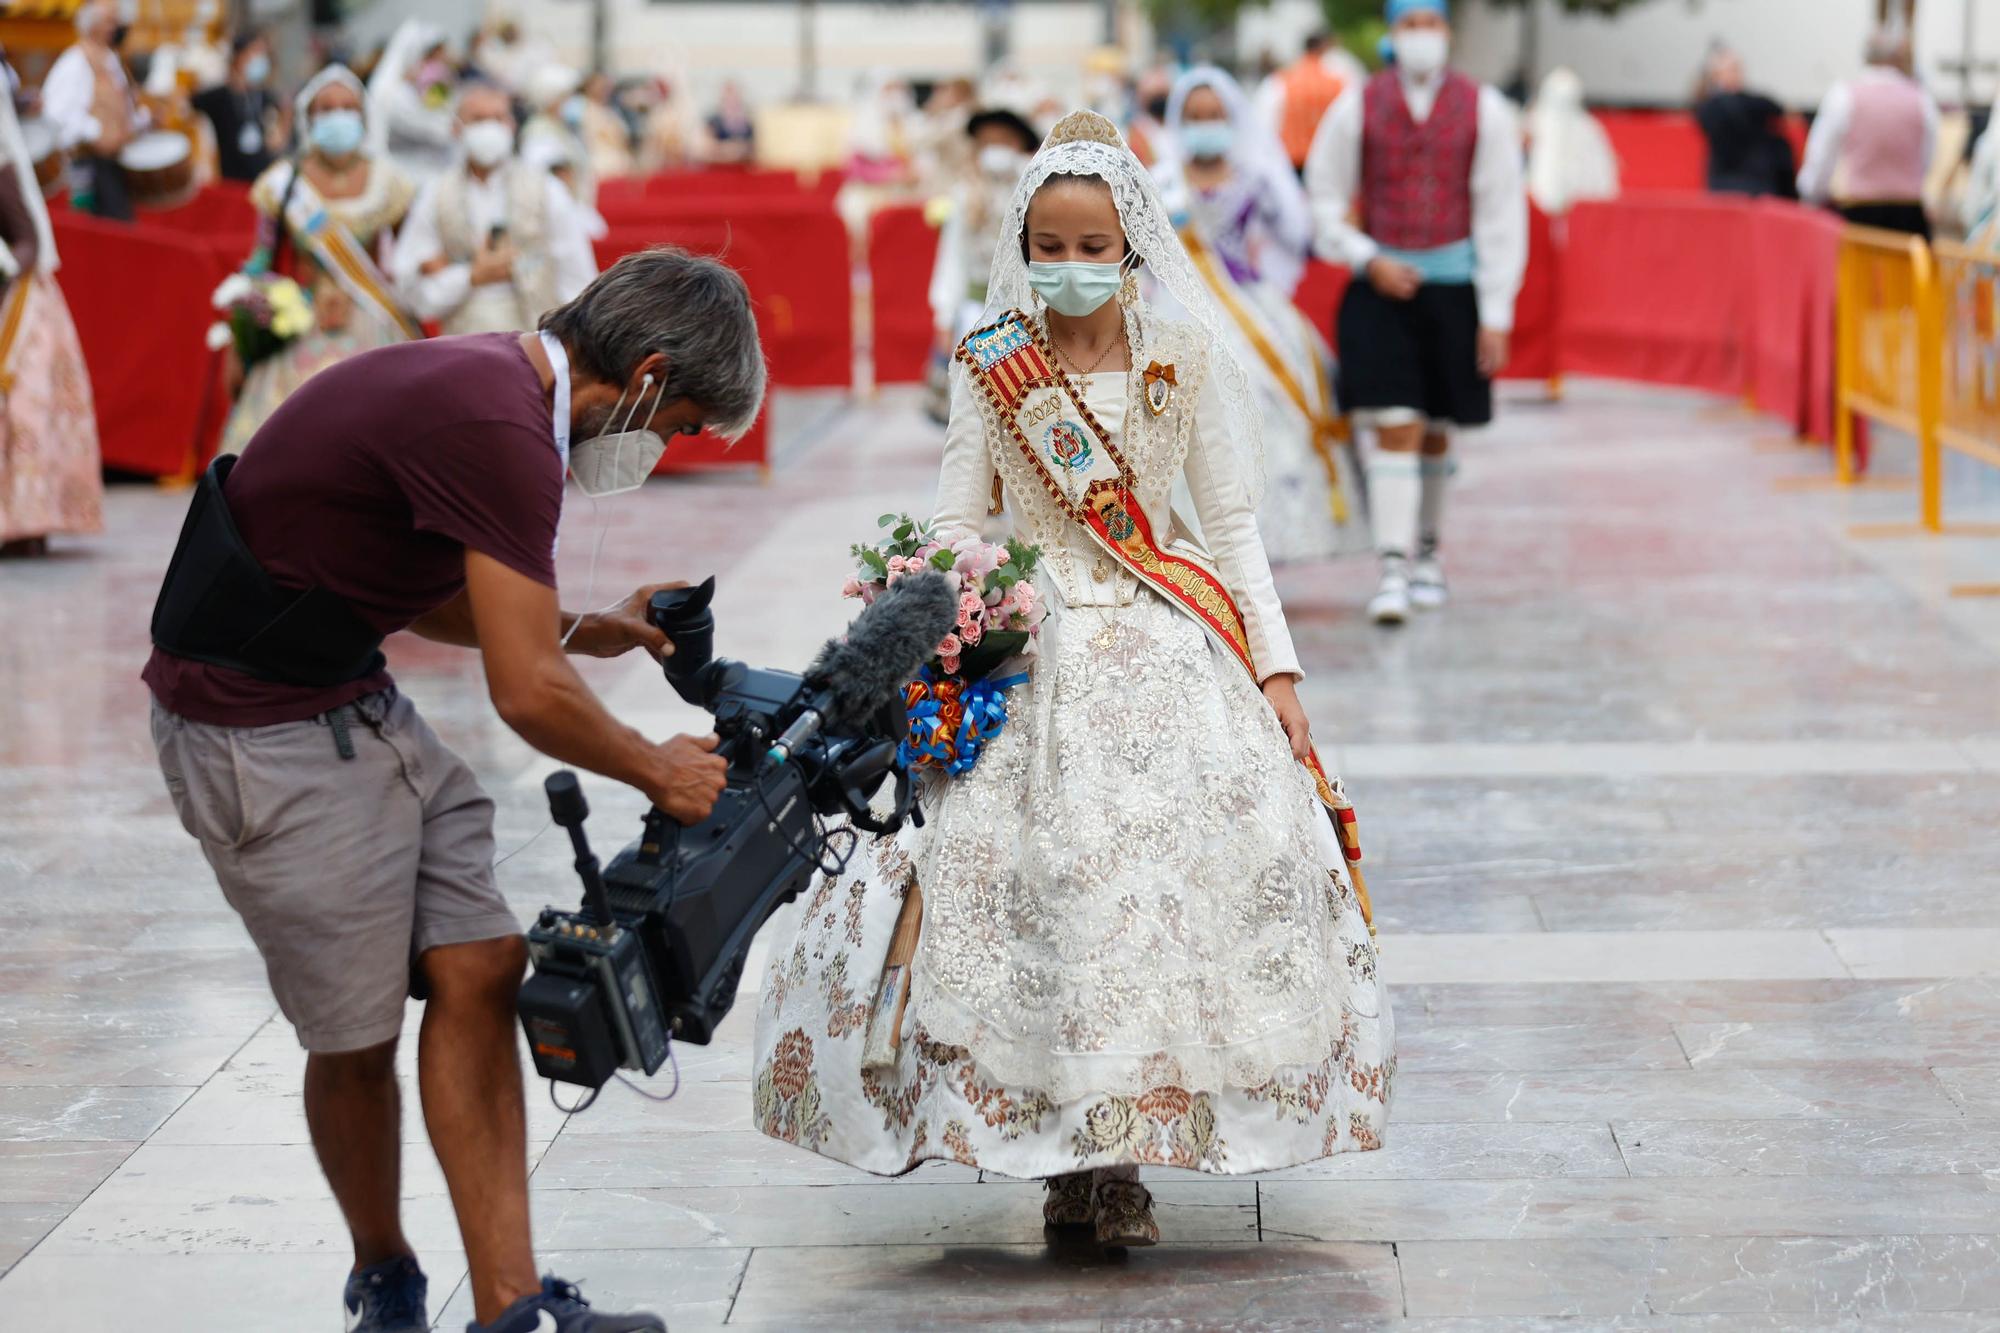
[{"x": 1140, "y": 945}]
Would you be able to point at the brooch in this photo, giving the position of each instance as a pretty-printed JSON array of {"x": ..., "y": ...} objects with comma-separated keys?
[{"x": 1159, "y": 388}]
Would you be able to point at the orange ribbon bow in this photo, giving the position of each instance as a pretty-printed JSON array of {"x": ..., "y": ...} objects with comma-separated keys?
[{"x": 1156, "y": 371}]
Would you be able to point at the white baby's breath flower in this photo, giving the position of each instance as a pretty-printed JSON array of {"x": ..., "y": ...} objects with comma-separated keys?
[
  {"x": 219, "y": 336},
  {"x": 233, "y": 289}
]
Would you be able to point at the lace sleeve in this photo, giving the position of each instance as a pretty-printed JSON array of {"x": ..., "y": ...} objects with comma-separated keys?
[
  {"x": 965, "y": 478},
  {"x": 1229, "y": 522}
]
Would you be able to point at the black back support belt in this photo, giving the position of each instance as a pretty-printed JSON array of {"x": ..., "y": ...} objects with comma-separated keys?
[{"x": 217, "y": 605}]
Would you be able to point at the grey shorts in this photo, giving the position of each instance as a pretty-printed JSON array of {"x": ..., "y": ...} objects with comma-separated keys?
[{"x": 344, "y": 870}]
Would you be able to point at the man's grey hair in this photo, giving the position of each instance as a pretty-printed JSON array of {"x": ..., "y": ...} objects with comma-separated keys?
[
  {"x": 478, "y": 88},
  {"x": 693, "y": 310}
]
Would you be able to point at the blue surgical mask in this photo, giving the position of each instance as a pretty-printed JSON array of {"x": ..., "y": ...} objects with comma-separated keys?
[
  {"x": 337, "y": 132},
  {"x": 1207, "y": 139},
  {"x": 1076, "y": 289},
  {"x": 256, "y": 70},
  {"x": 572, "y": 111}
]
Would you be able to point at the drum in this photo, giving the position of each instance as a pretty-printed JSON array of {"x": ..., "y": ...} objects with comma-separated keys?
[
  {"x": 51, "y": 163},
  {"x": 159, "y": 169}
]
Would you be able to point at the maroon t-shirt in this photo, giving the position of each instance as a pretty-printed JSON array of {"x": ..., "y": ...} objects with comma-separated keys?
[{"x": 371, "y": 481}]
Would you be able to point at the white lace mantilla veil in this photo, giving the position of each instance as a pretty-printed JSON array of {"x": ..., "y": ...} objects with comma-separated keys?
[{"x": 1086, "y": 144}]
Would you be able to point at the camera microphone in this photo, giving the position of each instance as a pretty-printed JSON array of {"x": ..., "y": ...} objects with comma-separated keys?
[{"x": 885, "y": 646}]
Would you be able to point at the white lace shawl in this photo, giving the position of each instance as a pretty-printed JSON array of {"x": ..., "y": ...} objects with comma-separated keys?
[{"x": 1150, "y": 233}]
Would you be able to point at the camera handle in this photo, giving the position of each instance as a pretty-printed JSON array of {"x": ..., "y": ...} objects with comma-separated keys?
[
  {"x": 568, "y": 808},
  {"x": 859, "y": 810},
  {"x": 660, "y": 838}
]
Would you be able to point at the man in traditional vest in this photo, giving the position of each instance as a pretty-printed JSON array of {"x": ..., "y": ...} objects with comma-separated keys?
[
  {"x": 1877, "y": 131},
  {"x": 1430, "y": 163},
  {"x": 494, "y": 242},
  {"x": 89, "y": 101}
]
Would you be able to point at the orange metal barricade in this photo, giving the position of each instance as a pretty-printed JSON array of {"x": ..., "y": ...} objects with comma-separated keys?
[
  {"x": 1969, "y": 404},
  {"x": 1888, "y": 353},
  {"x": 1916, "y": 353}
]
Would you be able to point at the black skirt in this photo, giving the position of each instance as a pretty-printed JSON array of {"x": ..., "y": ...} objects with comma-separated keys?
[{"x": 1421, "y": 354}]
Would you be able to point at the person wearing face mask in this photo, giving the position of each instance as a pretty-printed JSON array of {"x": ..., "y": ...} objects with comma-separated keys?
[
  {"x": 496, "y": 241},
  {"x": 1140, "y": 942},
  {"x": 243, "y": 110},
  {"x": 1434, "y": 161},
  {"x": 1248, "y": 228},
  {"x": 325, "y": 218},
  {"x": 1002, "y": 143},
  {"x": 419, "y": 487}
]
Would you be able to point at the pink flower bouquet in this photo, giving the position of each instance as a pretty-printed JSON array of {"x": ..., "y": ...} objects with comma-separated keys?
[{"x": 999, "y": 614}]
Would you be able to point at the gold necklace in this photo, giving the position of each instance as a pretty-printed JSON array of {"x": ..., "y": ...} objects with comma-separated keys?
[{"x": 1101, "y": 356}]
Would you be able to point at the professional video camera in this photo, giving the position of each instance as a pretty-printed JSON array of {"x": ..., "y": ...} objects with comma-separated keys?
[{"x": 658, "y": 948}]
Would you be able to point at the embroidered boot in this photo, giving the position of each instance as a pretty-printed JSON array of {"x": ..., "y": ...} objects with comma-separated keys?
[
  {"x": 1125, "y": 1215},
  {"x": 1070, "y": 1201}
]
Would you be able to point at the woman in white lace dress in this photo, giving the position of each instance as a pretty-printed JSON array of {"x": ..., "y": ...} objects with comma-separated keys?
[{"x": 1140, "y": 943}]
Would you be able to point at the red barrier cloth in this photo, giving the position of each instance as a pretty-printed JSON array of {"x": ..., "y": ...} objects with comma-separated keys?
[
  {"x": 902, "y": 251},
  {"x": 1653, "y": 289},
  {"x": 1536, "y": 353},
  {"x": 1657, "y": 150},
  {"x": 140, "y": 299},
  {"x": 803, "y": 266},
  {"x": 705, "y": 452},
  {"x": 732, "y": 182},
  {"x": 1321, "y": 289},
  {"x": 1792, "y": 277}
]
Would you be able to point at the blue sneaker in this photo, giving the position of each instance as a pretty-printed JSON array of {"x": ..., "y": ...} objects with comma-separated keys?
[
  {"x": 560, "y": 1308},
  {"x": 387, "y": 1298}
]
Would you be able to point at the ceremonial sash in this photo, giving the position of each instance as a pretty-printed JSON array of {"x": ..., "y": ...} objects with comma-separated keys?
[
  {"x": 1081, "y": 468},
  {"x": 1325, "y": 425},
  {"x": 11, "y": 313},
  {"x": 343, "y": 257}
]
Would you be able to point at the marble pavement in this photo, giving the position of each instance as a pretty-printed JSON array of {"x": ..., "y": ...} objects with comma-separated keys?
[{"x": 1684, "y": 830}]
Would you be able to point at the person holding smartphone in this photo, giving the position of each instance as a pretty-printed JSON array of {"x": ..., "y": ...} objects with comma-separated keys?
[{"x": 496, "y": 241}]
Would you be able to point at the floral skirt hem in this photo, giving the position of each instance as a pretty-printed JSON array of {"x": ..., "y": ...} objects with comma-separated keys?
[
  {"x": 936, "y": 1103},
  {"x": 935, "y": 1106}
]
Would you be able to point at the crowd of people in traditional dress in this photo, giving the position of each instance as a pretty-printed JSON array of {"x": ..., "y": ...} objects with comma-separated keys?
[{"x": 439, "y": 184}]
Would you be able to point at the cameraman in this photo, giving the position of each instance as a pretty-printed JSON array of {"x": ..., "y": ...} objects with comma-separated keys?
[{"x": 418, "y": 487}]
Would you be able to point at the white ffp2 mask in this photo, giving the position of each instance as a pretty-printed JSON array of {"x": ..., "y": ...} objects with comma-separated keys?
[
  {"x": 1422, "y": 52},
  {"x": 621, "y": 460},
  {"x": 488, "y": 142}
]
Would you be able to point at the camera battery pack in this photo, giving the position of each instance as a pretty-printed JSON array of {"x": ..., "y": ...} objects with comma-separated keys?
[
  {"x": 589, "y": 1007},
  {"x": 569, "y": 1029}
]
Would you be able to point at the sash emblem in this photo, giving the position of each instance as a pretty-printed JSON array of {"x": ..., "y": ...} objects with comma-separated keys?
[{"x": 1069, "y": 445}]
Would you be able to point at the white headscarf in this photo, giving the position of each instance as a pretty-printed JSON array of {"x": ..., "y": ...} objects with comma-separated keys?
[
  {"x": 16, "y": 149},
  {"x": 1570, "y": 158},
  {"x": 319, "y": 83},
  {"x": 1257, "y": 155},
  {"x": 1086, "y": 144}
]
